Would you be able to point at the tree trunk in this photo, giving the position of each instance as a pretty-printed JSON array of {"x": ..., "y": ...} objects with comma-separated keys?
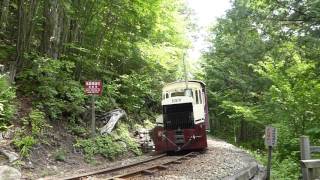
[
  {"x": 4, "y": 14},
  {"x": 20, "y": 37},
  {"x": 242, "y": 131},
  {"x": 26, "y": 12},
  {"x": 52, "y": 28},
  {"x": 65, "y": 31},
  {"x": 32, "y": 11}
]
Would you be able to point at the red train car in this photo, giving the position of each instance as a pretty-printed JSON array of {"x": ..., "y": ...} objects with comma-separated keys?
[{"x": 184, "y": 119}]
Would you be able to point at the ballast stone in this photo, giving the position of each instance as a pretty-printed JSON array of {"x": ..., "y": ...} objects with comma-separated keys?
[{"x": 9, "y": 173}]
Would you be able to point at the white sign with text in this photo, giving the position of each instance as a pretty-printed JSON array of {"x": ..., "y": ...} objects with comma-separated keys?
[{"x": 270, "y": 136}]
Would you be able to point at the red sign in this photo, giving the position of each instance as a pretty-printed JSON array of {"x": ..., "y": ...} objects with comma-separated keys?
[{"x": 93, "y": 87}]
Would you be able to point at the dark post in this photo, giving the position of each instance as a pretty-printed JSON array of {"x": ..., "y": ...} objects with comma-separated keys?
[
  {"x": 93, "y": 117},
  {"x": 269, "y": 162}
]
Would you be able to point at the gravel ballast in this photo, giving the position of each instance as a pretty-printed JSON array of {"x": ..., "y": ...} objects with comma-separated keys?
[{"x": 221, "y": 161}]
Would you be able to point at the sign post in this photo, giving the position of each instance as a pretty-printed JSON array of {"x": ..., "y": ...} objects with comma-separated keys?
[
  {"x": 93, "y": 116},
  {"x": 93, "y": 88},
  {"x": 270, "y": 142}
]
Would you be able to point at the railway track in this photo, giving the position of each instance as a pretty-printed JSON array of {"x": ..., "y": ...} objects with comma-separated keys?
[{"x": 141, "y": 168}]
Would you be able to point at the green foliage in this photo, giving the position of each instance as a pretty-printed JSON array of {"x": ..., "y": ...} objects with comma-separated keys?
[
  {"x": 262, "y": 71},
  {"x": 286, "y": 169},
  {"x": 5, "y": 51},
  {"x": 137, "y": 92},
  {"x": 124, "y": 136},
  {"x": 281, "y": 168},
  {"x": 25, "y": 144},
  {"x": 52, "y": 84},
  {"x": 38, "y": 122},
  {"x": 7, "y": 107},
  {"x": 77, "y": 130},
  {"x": 132, "y": 46},
  {"x": 109, "y": 146},
  {"x": 31, "y": 132},
  {"x": 60, "y": 155},
  {"x": 103, "y": 145}
]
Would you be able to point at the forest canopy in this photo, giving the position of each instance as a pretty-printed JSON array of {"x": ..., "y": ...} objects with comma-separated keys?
[
  {"x": 51, "y": 47},
  {"x": 263, "y": 68}
]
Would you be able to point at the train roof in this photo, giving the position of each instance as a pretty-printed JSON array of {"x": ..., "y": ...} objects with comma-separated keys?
[{"x": 181, "y": 81}]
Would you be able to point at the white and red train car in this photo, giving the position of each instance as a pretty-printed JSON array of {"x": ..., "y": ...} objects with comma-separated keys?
[{"x": 184, "y": 118}]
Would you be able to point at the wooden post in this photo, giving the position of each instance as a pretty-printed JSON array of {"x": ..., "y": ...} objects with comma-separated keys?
[
  {"x": 269, "y": 162},
  {"x": 93, "y": 116},
  {"x": 305, "y": 154}
]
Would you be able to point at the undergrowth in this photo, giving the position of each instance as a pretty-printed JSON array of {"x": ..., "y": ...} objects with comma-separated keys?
[
  {"x": 109, "y": 146},
  {"x": 282, "y": 169},
  {"x": 24, "y": 144},
  {"x": 31, "y": 132},
  {"x": 7, "y": 107}
]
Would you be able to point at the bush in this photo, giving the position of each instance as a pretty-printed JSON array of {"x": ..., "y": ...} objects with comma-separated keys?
[
  {"x": 25, "y": 144},
  {"x": 110, "y": 146},
  {"x": 60, "y": 155},
  {"x": 287, "y": 168},
  {"x": 52, "y": 84},
  {"x": 103, "y": 145},
  {"x": 125, "y": 137},
  {"x": 38, "y": 123},
  {"x": 24, "y": 140},
  {"x": 77, "y": 130},
  {"x": 7, "y": 108}
]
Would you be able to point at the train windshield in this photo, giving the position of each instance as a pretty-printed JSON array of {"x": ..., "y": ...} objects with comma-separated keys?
[
  {"x": 174, "y": 94},
  {"x": 188, "y": 92}
]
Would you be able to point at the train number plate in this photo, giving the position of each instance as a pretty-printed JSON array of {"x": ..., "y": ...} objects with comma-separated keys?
[{"x": 176, "y": 100}]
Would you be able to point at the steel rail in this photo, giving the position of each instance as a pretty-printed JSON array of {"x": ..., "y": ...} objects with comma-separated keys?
[
  {"x": 109, "y": 170},
  {"x": 153, "y": 169}
]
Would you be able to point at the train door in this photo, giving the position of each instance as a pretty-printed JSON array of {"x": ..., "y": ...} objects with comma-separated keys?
[{"x": 198, "y": 106}]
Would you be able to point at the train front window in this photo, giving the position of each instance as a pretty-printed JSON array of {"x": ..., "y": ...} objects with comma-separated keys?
[
  {"x": 188, "y": 92},
  {"x": 174, "y": 94}
]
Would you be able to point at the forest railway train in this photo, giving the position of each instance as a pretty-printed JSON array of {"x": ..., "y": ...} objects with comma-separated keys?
[{"x": 184, "y": 118}]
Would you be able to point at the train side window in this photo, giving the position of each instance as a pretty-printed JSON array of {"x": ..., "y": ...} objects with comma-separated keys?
[
  {"x": 167, "y": 95},
  {"x": 200, "y": 97},
  {"x": 197, "y": 97}
]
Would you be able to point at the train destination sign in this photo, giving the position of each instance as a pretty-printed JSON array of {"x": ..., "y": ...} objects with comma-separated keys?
[
  {"x": 93, "y": 87},
  {"x": 270, "y": 136}
]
